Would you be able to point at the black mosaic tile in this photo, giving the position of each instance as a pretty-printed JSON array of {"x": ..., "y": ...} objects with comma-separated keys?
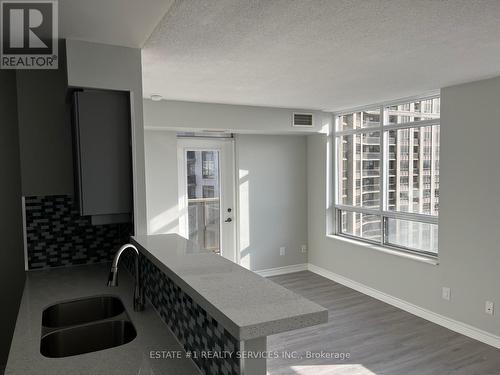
[
  {"x": 195, "y": 329},
  {"x": 57, "y": 235}
]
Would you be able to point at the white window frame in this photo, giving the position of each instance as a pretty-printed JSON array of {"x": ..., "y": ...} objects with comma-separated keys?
[{"x": 336, "y": 137}]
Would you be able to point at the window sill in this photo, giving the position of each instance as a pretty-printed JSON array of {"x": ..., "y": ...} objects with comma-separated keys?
[{"x": 403, "y": 254}]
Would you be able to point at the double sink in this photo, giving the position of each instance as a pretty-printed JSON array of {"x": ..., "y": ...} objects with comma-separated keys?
[{"x": 85, "y": 325}]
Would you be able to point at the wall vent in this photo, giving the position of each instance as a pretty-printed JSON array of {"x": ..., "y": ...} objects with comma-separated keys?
[{"x": 302, "y": 120}]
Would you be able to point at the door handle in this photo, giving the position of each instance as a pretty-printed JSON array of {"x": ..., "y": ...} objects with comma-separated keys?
[{"x": 228, "y": 220}]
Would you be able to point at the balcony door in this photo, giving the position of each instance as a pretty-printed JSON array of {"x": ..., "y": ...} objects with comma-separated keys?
[{"x": 206, "y": 194}]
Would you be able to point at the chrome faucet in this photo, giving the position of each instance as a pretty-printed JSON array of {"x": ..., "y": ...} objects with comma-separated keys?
[{"x": 113, "y": 276}]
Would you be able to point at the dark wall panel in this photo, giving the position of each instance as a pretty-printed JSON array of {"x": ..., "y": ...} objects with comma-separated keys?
[
  {"x": 12, "y": 273},
  {"x": 45, "y": 131}
]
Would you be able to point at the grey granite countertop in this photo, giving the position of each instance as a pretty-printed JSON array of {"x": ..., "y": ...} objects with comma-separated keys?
[
  {"x": 246, "y": 304},
  {"x": 44, "y": 288}
]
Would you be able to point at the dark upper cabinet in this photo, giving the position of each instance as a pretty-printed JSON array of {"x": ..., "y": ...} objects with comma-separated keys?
[{"x": 103, "y": 153}]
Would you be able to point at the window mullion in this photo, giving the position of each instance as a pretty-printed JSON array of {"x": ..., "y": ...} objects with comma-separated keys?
[{"x": 382, "y": 174}]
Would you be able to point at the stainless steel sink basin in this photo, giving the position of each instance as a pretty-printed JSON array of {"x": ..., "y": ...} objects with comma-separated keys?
[
  {"x": 87, "y": 338},
  {"x": 81, "y": 311},
  {"x": 85, "y": 325}
]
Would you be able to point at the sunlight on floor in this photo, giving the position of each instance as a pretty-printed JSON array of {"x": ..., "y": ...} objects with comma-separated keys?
[{"x": 347, "y": 369}]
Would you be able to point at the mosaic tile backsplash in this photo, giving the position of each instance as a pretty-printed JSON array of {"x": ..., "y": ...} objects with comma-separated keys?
[
  {"x": 195, "y": 329},
  {"x": 57, "y": 235}
]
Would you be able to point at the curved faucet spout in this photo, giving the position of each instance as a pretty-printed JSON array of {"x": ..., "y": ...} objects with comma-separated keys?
[{"x": 113, "y": 276}]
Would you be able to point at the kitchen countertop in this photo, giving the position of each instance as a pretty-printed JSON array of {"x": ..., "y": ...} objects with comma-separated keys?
[
  {"x": 246, "y": 304},
  {"x": 44, "y": 288}
]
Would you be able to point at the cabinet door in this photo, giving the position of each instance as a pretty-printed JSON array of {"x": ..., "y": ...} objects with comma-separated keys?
[{"x": 103, "y": 152}]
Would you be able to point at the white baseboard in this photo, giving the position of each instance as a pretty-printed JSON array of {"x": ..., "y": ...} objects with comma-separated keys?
[
  {"x": 454, "y": 325},
  {"x": 283, "y": 270}
]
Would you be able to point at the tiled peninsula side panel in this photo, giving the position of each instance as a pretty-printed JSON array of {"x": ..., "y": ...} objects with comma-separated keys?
[
  {"x": 196, "y": 330},
  {"x": 57, "y": 235}
]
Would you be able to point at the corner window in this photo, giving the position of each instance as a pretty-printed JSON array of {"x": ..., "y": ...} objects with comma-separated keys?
[{"x": 387, "y": 175}]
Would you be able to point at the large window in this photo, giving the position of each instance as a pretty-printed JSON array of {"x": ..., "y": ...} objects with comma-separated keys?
[{"x": 387, "y": 175}]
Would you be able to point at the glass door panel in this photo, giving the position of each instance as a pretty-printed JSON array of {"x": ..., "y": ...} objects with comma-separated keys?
[
  {"x": 203, "y": 198},
  {"x": 206, "y": 194}
]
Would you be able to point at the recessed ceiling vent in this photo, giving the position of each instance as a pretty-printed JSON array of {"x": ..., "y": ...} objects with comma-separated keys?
[{"x": 302, "y": 120}]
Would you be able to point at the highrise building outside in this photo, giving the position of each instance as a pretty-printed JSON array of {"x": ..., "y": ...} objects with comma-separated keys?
[{"x": 408, "y": 155}]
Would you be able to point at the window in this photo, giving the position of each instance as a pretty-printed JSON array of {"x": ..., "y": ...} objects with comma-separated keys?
[
  {"x": 208, "y": 191},
  {"x": 209, "y": 161},
  {"x": 387, "y": 175}
]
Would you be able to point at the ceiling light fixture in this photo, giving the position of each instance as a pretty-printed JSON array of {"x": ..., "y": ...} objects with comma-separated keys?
[{"x": 156, "y": 97}]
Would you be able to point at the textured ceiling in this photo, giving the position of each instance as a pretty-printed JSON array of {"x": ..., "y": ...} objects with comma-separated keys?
[
  {"x": 317, "y": 54},
  {"x": 122, "y": 22}
]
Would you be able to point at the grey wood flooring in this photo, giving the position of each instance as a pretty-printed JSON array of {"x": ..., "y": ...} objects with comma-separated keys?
[{"x": 380, "y": 338}]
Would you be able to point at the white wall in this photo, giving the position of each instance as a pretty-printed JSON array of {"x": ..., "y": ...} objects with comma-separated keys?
[
  {"x": 469, "y": 219},
  {"x": 270, "y": 169},
  {"x": 234, "y": 118},
  {"x": 271, "y": 175},
  {"x": 161, "y": 181},
  {"x": 102, "y": 66},
  {"x": 271, "y": 172}
]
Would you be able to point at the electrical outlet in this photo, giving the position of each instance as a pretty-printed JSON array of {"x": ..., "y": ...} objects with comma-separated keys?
[
  {"x": 303, "y": 249},
  {"x": 446, "y": 293},
  {"x": 282, "y": 250},
  {"x": 489, "y": 308}
]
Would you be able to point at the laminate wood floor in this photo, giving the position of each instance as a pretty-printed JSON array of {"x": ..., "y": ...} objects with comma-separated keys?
[{"x": 380, "y": 338}]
